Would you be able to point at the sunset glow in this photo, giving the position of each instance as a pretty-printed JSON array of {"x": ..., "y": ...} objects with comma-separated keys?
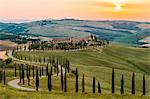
[{"x": 78, "y": 9}]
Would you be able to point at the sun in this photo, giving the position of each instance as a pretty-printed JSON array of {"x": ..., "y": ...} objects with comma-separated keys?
[
  {"x": 118, "y": 7},
  {"x": 118, "y": 4}
]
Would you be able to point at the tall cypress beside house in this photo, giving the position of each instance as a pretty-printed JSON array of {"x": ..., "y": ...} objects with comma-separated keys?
[
  {"x": 15, "y": 71},
  {"x": 133, "y": 83},
  {"x": 77, "y": 80},
  {"x": 113, "y": 81},
  {"x": 99, "y": 87},
  {"x": 33, "y": 71},
  {"x": 144, "y": 87},
  {"x": 93, "y": 84},
  {"x": 122, "y": 85},
  {"x": 65, "y": 82},
  {"x": 83, "y": 88},
  {"x": 62, "y": 78},
  {"x": 37, "y": 79}
]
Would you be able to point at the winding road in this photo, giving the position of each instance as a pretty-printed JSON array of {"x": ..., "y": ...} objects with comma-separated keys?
[{"x": 14, "y": 83}]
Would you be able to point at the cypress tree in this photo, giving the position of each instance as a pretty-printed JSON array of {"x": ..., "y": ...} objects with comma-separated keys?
[
  {"x": 25, "y": 58},
  {"x": 4, "y": 77},
  {"x": 61, "y": 78},
  {"x": 133, "y": 84},
  {"x": 99, "y": 87},
  {"x": 50, "y": 81},
  {"x": 65, "y": 82},
  {"x": 42, "y": 71},
  {"x": 57, "y": 60},
  {"x": 48, "y": 86},
  {"x": 29, "y": 72},
  {"x": 113, "y": 81},
  {"x": 1, "y": 75},
  {"x": 93, "y": 84},
  {"x": 68, "y": 66},
  {"x": 77, "y": 80},
  {"x": 144, "y": 87},
  {"x": 37, "y": 79},
  {"x": 33, "y": 71},
  {"x": 122, "y": 85},
  {"x": 83, "y": 88},
  {"x": 15, "y": 71},
  {"x": 20, "y": 73}
]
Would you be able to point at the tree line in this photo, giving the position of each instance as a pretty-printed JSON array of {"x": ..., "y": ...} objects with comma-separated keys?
[{"x": 37, "y": 72}]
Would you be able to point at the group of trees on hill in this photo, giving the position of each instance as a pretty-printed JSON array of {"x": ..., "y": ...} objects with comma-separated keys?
[{"x": 45, "y": 45}]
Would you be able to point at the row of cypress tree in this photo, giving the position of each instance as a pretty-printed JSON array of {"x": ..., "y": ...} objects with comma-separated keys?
[
  {"x": 53, "y": 60},
  {"x": 122, "y": 84},
  {"x": 64, "y": 78}
]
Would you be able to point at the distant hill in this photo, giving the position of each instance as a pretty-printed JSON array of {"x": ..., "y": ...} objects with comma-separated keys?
[{"x": 128, "y": 32}]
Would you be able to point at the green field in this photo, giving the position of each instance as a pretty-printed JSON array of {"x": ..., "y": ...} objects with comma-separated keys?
[{"x": 94, "y": 62}]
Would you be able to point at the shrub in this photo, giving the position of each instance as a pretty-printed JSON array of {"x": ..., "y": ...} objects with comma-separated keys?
[{"x": 8, "y": 61}]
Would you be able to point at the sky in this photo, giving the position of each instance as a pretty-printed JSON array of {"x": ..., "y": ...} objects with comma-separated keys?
[{"x": 77, "y": 9}]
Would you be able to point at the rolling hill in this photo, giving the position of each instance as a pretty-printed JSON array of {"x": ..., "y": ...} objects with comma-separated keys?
[
  {"x": 128, "y": 32},
  {"x": 99, "y": 62}
]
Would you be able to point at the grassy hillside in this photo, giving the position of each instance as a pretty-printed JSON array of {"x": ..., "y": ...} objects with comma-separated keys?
[
  {"x": 98, "y": 62},
  {"x": 94, "y": 62}
]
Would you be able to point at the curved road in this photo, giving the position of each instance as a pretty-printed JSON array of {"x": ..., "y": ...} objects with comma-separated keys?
[{"x": 14, "y": 83}]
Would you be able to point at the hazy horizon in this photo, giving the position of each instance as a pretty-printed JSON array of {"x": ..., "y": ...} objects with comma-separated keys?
[
  {"x": 136, "y": 10},
  {"x": 32, "y": 20}
]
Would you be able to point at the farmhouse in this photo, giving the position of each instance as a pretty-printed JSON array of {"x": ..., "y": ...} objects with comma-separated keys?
[{"x": 74, "y": 40}]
